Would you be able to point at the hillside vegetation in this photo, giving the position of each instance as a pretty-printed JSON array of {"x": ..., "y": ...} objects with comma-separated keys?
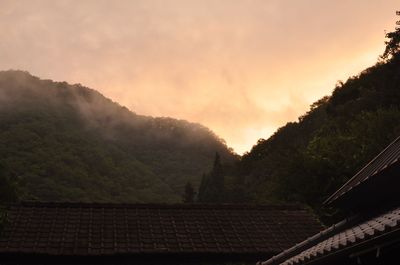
[
  {"x": 61, "y": 142},
  {"x": 307, "y": 160}
]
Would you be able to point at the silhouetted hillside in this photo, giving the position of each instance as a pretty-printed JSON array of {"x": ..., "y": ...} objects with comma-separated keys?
[
  {"x": 68, "y": 142},
  {"x": 306, "y": 161}
]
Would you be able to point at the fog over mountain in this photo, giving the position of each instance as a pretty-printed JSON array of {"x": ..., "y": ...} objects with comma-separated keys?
[
  {"x": 68, "y": 142},
  {"x": 240, "y": 67}
]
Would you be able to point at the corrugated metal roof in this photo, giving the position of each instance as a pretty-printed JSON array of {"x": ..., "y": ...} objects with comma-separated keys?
[
  {"x": 389, "y": 156},
  {"x": 354, "y": 235}
]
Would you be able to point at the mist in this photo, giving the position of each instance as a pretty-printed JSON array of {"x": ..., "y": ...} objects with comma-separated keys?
[{"x": 241, "y": 68}]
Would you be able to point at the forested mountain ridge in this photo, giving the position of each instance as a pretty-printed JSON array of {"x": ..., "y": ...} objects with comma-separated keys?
[
  {"x": 61, "y": 142},
  {"x": 307, "y": 160}
]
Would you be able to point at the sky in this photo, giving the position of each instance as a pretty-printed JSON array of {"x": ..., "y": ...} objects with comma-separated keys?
[{"x": 243, "y": 68}]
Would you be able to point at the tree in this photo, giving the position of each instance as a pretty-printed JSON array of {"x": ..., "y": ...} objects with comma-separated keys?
[
  {"x": 217, "y": 175},
  {"x": 202, "y": 188},
  {"x": 212, "y": 185},
  {"x": 189, "y": 193},
  {"x": 7, "y": 190},
  {"x": 393, "y": 42}
]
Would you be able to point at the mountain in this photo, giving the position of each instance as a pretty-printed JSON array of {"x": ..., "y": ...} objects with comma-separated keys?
[
  {"x": 62, "y": 142},
  {"x": 307, "y": 160}
]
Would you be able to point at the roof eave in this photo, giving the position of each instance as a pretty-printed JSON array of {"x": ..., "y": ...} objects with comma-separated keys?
[{"x": 330, "y": 201}]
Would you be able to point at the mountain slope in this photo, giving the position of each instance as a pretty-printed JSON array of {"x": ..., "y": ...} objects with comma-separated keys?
[
  {"x": 307, "y": 160},
  {"x": 68, "y": 142}
]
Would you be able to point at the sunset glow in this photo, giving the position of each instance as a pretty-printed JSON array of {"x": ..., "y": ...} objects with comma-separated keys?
[{"x": 241, "y": 68}]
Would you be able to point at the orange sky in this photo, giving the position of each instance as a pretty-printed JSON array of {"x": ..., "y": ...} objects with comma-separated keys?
[{"x": 241, "y": 67}]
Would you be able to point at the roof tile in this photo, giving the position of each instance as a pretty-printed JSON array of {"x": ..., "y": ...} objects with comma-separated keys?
[
  {"x": 357, "y": 234},
  {"x": 106, "y": 229}
]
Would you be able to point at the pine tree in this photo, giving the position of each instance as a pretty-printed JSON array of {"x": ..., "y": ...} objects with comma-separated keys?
[
  {"x": 202, "y": 188},
  {"x": 7, "y": 190},
  {"x": 189, "y": 193},
  {"x": 212, "y": 185},
  {"x": 217, "y": 179}
]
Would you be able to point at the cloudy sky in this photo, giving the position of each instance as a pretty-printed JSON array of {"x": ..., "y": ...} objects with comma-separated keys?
[{"x": 241, "y": 67}]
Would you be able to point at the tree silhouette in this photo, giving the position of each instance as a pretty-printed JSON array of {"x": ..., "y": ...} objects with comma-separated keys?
[
  {"x": 212, "y": 185},
  {"x": 393, "y": 42},
  {"x": 7, "y": 190},
  {"x": 189, "y": 193},
  {"x": 202, "y": 188}
]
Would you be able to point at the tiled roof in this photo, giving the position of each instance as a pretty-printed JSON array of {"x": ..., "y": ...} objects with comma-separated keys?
[
  {"x": 367, "y": 230},
  {"x": 389, "y": 156},
  {"x": 108, "y": 229}
]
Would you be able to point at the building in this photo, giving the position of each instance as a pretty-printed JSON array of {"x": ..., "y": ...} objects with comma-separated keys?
[
  {"x": 81, "y": 233},
  {"x": 371, "y": 232}
]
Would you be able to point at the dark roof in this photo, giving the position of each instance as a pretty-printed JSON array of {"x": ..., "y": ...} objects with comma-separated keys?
[
  {"x": 386, "y": 158},
  {"x": 368, "y": 230},
  {"x": 107, "y": 229}
]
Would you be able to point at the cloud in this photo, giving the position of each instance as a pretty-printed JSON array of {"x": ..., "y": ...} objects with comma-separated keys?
[{"x": 243, "y": 68}]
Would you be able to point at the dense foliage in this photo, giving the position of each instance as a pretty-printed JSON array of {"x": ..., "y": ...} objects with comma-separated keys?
[
  {"x": 70, "y": 143},
  {"x": 308, "y": 160}
]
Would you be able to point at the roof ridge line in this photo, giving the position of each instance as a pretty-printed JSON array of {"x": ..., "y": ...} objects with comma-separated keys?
[
  {"x": 315, "y": 239},
  {"x": 298, "y": 207},
  {"x": 338, "y": 194}
]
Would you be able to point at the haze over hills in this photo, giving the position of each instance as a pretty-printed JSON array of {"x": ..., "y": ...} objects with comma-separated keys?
[
  {"x": 61, "y": 142},
  {"x": 307, "y": 160},
  {"x": 68, "y": 142}
]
